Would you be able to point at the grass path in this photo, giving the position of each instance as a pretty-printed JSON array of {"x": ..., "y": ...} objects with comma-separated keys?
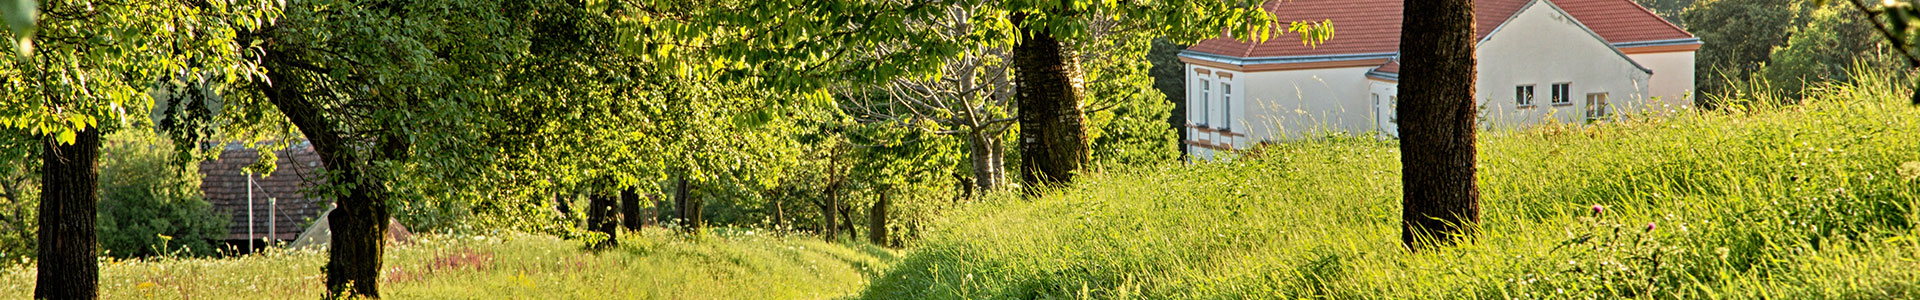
[{"x": 647, "y": 265}]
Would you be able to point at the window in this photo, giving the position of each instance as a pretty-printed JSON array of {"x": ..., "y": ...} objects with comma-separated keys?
[
  {"x": 1596, "y": 106},
  {"x": 1226, "y": 106},
  {"x": 1562, "y": 94},
  {"x": 1204, "y": 101},
  {"x": 1523, "y": 95}
]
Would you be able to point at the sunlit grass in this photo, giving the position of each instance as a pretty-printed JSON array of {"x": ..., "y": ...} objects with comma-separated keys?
[
  {"x": 647, "y": 265},
  {"x": 1783, "y": 202}
]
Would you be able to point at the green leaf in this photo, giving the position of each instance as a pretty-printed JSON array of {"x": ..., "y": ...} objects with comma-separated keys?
[{"x": 21, "y": 15}]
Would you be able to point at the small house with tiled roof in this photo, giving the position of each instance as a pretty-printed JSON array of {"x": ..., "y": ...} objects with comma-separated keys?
[
  {"x": 1565, "y": 61},
  {"x": 270, "y": 207}
]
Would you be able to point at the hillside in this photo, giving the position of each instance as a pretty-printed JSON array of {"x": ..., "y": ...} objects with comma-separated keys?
[{"x": 1799, "y": 202}]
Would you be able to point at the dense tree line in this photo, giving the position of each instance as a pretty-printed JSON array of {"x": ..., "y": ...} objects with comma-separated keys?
[{"x": 410, "y": 104}]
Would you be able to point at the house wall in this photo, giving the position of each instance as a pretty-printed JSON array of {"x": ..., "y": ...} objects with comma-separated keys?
[
  {"x": 1300, "y": 103},
  {"x": 1672, "y": 76},
  {"x": 1543, "y": 46},
  {"x": 1385, "y": 121}
]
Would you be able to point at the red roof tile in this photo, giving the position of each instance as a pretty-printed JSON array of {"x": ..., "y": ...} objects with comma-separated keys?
[
  {"x": 1391, "y": 67},
  {"x": 1373, "y": 26},
  {"x": 296, "y": 170},
  {"x": 1622, "y": 21}
]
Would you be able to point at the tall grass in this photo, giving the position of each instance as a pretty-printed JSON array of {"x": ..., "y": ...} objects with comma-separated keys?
[
  {"x": 652, "y": 264},
  {"x": 1796, "y": 202}
]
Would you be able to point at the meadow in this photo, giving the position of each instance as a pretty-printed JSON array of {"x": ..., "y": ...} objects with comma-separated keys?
[
  {"x": 649, "y": 264},
  {"x": 1809, "y": 201}
]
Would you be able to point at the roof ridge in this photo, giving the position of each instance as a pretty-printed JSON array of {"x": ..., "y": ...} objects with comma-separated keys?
[{"x": 1663, "y": 20}]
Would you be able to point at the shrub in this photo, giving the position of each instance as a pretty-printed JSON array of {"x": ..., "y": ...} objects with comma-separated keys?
[{"x": 150, "y": 204}]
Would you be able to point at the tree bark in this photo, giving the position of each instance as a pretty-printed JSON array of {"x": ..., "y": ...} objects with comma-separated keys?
[
  {"x": 68, "y": 180},
  {"x": 877, "y": 221},
  {"x": 1440, "y": 199},
  {"x": 1053, "y": 132},
  {"x": 846, "y": 218},
  {"x": 630, "y": 209},
  {"x": 560, "y": 202},
  {"x": 689, "y": 207},
  {"x": 827, "y": 212},
  {"x": 359, "y": 220},
  {"x": 600, "y": 209},
  {"x": 988, "y": 167}
]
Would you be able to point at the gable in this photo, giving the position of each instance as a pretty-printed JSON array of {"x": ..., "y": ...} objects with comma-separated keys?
[{"x": 1541, "y": 22}]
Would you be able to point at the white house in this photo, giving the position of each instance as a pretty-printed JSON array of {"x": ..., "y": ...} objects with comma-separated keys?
[{"x": 1539, "y": 60}]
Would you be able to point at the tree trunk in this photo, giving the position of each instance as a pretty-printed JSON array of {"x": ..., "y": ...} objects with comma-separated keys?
[
  {"x": 361, "y": 213},
  {"x": 779, "y": 214},
  {"x": 877, "y": 221},
  {"x": 653, "y": 213},
  {"x": 630, "y": 209},
  {"x": 828, "y": 214},
  {"x": 1053, "y": 132},
  {"x": 689, "y": 207},
  {"x": 68, "y": 180},
  {"x": 988, "y": 170},
  {"x": 1440, "y": 199},
  {"x": 560, "y": 202},
  {"x": 846, "y": 218},
  {"x": 600, "y": 209}
]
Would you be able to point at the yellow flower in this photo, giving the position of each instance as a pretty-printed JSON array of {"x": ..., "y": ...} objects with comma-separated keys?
[{"x": 146, "y": 285}]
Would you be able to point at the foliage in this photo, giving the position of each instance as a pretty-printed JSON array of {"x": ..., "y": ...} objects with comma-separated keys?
[
  {"x": 1833, "y": 40},
  {"x": 1667, "y": 9},
  {"x": 95, "y": 62},
  {"x": 1170, "y": 77},
  {"x": 1784, "y": 201},
  {"x": 19, "y": 195},
  {"x": 150, "y": 205},
  {"x": 1739, "y": 37},
  {"x": 651, "y": 264},
  {"x": 1127, "y": 119}
]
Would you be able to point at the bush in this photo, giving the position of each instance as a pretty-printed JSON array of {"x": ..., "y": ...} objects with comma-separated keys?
[
  {"x": 150, "y": 204},
  {"x": 19, "y": 196}
]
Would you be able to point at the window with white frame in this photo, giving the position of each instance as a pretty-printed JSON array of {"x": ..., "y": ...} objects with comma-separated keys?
[
  {"x": 1596, "y": 106},
  {"x": 1226, "y": 106},
  {"x": 1523, "y": 95},
  {"x": 1205, "y": 101},
  {"x": 1562, "y": 93}
]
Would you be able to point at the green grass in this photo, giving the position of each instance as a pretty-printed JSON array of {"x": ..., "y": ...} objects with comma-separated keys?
[
  {"x": 1799, "y": 202},
  {"x": 647, "y": 265}
]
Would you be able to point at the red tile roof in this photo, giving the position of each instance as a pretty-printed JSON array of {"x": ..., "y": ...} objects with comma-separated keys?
[
  {"x": 1373, "y": 26},
  {"x": 1392, "y": 67},
  {"x": 297, "y": 168},
  {"x": 1622, "y": 21}
]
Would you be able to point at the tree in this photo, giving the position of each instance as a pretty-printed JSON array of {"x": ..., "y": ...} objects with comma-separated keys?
[
  {"x": 630, "y": 209},
  {"x": 149, "y": 203},
  {"x": 1738, "y": 38},
  {"x": 1049, "y": 86},
  {"x": 1441, "y": 202},
  {"x": 1835, "y": 39},
  {"x": 381, "y": 90},
  {"x": 601, "y": 206},
  {"x": 91, "y": 64},
  {"x": 19, "y": 196},
  {"x": 1894, "y": 20}
]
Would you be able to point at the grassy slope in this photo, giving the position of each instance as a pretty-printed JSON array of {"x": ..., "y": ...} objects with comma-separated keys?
[
  {"x": 1799, "y": 202},
  {"x": 652, "y": 265}
]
